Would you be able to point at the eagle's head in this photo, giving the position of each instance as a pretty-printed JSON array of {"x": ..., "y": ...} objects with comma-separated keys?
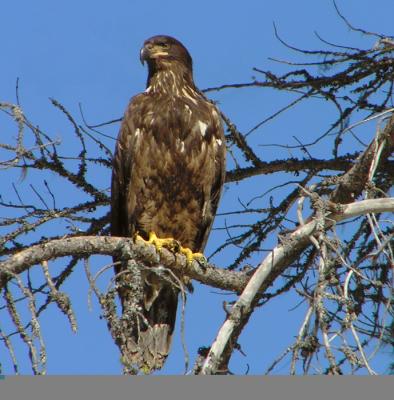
[{"x": 161, "y": 51}]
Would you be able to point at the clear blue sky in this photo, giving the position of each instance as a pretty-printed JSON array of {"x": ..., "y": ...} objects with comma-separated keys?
[{"x": 88, "y": 52}]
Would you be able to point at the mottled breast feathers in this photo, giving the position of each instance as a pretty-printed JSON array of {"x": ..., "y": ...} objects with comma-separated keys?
[{"x": 169, "y": 167}]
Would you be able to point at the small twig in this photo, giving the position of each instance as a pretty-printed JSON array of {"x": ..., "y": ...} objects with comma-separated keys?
[
  {"x": 60, "y": 298},
  {"x": 355, "y": 335}
]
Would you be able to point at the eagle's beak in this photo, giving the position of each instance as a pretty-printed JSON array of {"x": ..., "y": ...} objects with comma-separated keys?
[
  {"x": 144, "y": 53},
  {"x": 149, "y": 52}
]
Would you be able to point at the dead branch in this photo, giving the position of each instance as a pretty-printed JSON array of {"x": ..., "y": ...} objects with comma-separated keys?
[
  {"x": 125, "y": 248},
  {"x": 352, "y": 183},
  {"x": 276, "y": 259}
]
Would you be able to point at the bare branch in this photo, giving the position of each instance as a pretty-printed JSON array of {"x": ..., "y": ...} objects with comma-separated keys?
[
  {"x": 278, "y": 257},
  {"x": 126, "y": 248}
]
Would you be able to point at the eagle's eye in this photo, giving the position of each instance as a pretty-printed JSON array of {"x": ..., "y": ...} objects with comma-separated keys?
[{"x": 163, "y": 45}]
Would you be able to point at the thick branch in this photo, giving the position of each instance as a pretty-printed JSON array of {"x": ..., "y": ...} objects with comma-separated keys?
[{"x": 85, "y": 246}]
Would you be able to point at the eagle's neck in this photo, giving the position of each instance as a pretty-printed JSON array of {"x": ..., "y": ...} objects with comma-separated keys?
[{"x": 170, "y": 80}]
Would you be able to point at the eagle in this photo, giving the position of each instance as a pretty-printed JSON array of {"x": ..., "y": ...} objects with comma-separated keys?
[{"x": 167, "y": 178}]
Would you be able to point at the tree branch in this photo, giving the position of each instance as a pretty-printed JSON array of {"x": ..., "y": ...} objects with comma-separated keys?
[
  {"x": 292, "y": 165},
  {"x": 353, "y": 182},
  {"x": 283, "y": 255},
  {"x": 276, "y": 259},
  {"x": 126, "y": 248}
]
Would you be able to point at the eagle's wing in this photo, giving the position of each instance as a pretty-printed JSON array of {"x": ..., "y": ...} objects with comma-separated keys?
[{"x": 121, "y": 175}]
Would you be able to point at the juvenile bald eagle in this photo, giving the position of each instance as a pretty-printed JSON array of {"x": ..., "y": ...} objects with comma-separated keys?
[{"x": 168, "y": 173}]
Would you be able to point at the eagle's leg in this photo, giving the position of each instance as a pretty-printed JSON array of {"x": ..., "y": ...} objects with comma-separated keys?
[{"x": 170, "y": 243}]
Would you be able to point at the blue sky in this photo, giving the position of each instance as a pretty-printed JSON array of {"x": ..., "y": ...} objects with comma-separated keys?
[{"x": 88, "y": 52}]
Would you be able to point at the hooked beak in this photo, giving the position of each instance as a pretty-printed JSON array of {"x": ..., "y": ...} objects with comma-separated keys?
[
  {"x": 149, "y": 52},
  {"x": 144, "y": 53}
]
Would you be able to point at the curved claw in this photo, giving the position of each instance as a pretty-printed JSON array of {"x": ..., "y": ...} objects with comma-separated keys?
[
  {"x": 169, "y": 243},
  {"x": 190, "y": 256},
  {"x": 175, "y": 246}
]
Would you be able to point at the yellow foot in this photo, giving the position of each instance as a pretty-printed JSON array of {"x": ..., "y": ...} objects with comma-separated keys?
[
  {"x": 174, "y": 246},
  {"x": 169, "y": 243},
  {"x": 190, "y": 256}
]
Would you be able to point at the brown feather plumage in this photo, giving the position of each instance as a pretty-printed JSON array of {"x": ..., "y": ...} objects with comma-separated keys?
[{"x": 168, "y": 173}]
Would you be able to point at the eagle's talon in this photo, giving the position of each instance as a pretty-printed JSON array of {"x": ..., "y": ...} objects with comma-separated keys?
[
  {"x": 137, "y": 237},
  {"x": 174, "y": 246},
  {"x": 190, "y": 256},
  {"x": 202, "y": 261},
  {"x": 169, "y": 243}
]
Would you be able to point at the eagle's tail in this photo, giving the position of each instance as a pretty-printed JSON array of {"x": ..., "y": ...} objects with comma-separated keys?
[{"x": 148, "y": 322}]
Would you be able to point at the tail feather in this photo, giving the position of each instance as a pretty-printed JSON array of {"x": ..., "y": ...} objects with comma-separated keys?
[
  {"x": 148, "y": 321},
  {"x": 153, "y": 348}
]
